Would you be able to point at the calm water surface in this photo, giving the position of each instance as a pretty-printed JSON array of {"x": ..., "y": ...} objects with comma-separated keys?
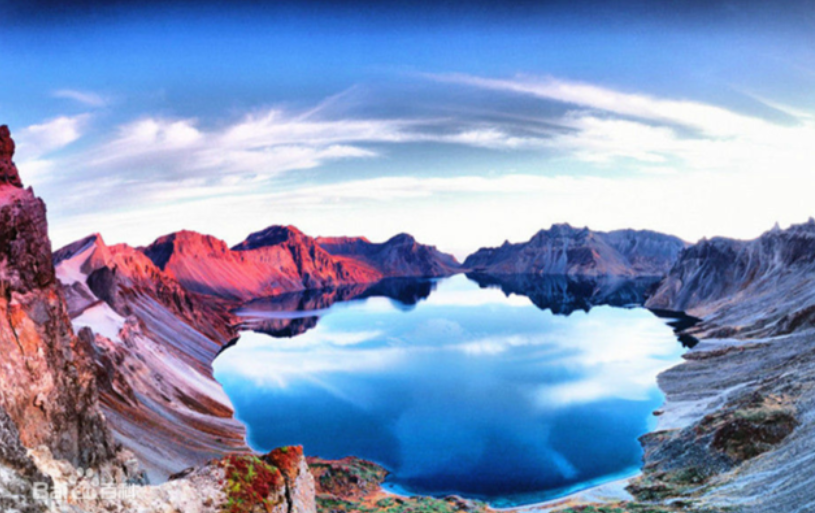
[{"x": 453, "y": 387}]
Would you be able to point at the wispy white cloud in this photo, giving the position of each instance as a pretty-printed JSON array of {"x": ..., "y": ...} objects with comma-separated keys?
[
  {"x": 87, "y": 98},
  {"x": 165, "y": 159},
  {"x": 602, "y": 125},
  {"x": 710, "y": 119},
  {"x": 36, "y": 142},
  {"x": 40, "y": 139}
]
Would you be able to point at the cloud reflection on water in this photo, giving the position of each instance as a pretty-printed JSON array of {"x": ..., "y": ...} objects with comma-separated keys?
[{"x": 469, "y": 391}]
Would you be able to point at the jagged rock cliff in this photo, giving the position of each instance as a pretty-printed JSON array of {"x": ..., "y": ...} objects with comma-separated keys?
[
  {"x": 8, "y": 171},
  {"x": 48, "y": 390},
  {"x": 281, "y": 259},
  {"x": 400, "y": 255},
  {"x": 154, "y": 344},
  {"x": 48, "y": 387},
  {"x": 764, "y": 286},
  {"x": 564, "y": 250},
  {"x": 284, "y": 261}
]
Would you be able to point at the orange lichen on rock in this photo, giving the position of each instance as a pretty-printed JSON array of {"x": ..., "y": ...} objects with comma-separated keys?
[
  {"x": 287, "y": 459},
  {"x": 251, "y": 484}
]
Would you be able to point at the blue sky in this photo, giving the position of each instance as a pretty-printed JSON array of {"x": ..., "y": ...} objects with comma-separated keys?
[{"x": 462, "y": 123}]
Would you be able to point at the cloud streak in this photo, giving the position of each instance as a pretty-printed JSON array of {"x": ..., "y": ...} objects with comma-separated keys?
[
  {"x": 86, "y": 98},
  {"x": 709, "y": 119}
]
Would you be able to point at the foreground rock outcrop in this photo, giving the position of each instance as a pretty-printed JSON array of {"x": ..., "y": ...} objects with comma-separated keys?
[
  {"x": 278, "y": 482},
  {"x": 47, "y": 379},
  {"x": 564, "y": 250},
  {"x": 352, "y": 484}
]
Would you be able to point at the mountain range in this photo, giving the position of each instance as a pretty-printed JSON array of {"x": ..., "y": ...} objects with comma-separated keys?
[{"x": 283, "y": 259}]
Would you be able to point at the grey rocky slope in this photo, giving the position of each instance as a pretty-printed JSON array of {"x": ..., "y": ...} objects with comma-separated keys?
[
  {"x": 759, "y": 287},
  {"x": 565, "y": 250},
  {"x": 739, "y": 420}
]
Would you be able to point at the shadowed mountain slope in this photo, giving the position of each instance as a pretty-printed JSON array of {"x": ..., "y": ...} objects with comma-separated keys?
[
  {"x": 399, "y": 256},
  {"x": 763, "y": 286},
  {"x": 564, "y": 250}
]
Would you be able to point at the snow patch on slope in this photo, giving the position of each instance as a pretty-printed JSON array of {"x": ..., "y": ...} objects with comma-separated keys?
[
  {"x": 69, "y": 271},
  {"x": 102, "y": 319}
]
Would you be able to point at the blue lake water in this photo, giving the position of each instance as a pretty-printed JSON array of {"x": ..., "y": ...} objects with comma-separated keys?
[{"x": 456, "y": 386}]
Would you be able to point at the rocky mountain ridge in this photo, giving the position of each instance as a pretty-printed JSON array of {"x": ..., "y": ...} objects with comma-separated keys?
[
  {"x": 206, "y": 265},
  {"x": 399, "y": 256},
  {"x": 759, "y": 287},
  {"x": 281, "y": 259},
  {"x": 565, "y": 250}
]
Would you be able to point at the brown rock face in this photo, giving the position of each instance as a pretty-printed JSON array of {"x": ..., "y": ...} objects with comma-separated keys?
[
  {"x": 8, "y": 171},
  {"x": 47, "y": 380}
]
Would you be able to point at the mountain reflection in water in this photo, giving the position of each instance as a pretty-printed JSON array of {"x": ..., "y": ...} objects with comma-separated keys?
[
  {"x": 292, "y": 314},
  {"x": 480, "y": 387}
]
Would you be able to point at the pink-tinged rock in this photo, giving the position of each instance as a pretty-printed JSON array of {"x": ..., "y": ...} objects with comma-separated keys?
[
  {"x": 8, "y": 171},
  {"x": 277, "y": 260},
  {"x": 154, "y": 343},
  {"x": 47, "y": 378}
]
